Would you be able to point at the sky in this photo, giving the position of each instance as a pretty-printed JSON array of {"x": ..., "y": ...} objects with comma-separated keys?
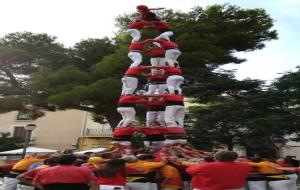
[{"x": 73, "y": 20}]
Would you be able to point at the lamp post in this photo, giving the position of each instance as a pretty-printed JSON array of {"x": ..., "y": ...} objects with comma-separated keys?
[
  {"x": 278, "y": 142},
  {"x": 28, "y": 128}
]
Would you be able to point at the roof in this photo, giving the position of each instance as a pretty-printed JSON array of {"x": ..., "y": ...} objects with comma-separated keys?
[{"x": 28, "y": 150}]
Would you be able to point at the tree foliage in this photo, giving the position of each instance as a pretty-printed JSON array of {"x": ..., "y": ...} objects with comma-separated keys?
[
  {"x": 9, "y": 143},
  {"x": 87, "y": 76}
]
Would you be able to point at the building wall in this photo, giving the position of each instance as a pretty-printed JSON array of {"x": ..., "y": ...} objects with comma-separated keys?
[{"x": 56, "y": 130}]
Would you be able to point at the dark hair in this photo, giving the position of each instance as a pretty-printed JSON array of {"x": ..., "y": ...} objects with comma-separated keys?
[
  {"x": 209, "y": 159},
  {"x": 145, "y": 157},
  {"x": 112, "y": 167},
  {"x": 226, "y": 156},
  {"x": 79, "y": 162},
  {"x": 107, "y": 155},
  {"x": 66, "y": 159},
  {"x": 51, "y": 161}
]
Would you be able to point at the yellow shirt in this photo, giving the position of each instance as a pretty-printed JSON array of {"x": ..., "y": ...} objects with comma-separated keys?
[
  {"x": 266, "y": 167},
  {"x": 146, "y": 165},
  {"x": 172, "y": 177},
  {"x": 25, "y": 163}
]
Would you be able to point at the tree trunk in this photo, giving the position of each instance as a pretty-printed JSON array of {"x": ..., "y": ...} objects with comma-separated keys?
[
  {"x": 113, "y": 118},
  {"x": 12, "y": 78},
  {"x": 230, "y": 146}
]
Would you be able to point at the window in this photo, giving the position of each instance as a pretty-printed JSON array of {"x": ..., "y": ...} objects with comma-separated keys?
[{"x": 19, "y": 132}]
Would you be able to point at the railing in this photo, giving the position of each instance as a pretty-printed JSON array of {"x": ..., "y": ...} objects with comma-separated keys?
[{"x": 98, "y": 132}]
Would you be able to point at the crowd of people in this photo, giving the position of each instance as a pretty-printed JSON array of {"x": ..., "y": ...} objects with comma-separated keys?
[{"x": 105, "y": 171}]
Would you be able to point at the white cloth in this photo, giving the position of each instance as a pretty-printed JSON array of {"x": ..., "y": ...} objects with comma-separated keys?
[
  {"x": 174, "y": 82},
  {"x": 128, "y": 115},
  {"x": 24, "y": 187},
  {"x": 135, "y": 34},
  {"x": 165, "y": 35},
  {"x": 136, "y": 57},
  {"x": 129, "y": 85},
  {"x": 171, "y": 56},
  {"x": 111, "y": 187},
  {"x": 139, "y": 186},
  {"x": 159, "y": 88},
  {"x": 9, "y": 183},
  {"x": 292, "y": 181},
  {"x": 174, "y": 114},
  {"x": 158, "y": 61},
  {"x": 257, "y": 185},
  {"x": 152, "y": 116},
  {"x": 279, "y": 185}
]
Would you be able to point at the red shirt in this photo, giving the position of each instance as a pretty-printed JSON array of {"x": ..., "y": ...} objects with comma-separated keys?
[
  {"x": 172, "y": 71},
  {"x": 137, "y": 46},
  {"x": 282, "y": 164},
  {"x": 64, "y": 174},
  {"x": 155, "y": 52},
  {"x": 219, "y": 175},
  {"x": 155, "y": 105},
  {"x": 134, "y": 99},
  {"x": 117, "y": 180},
  {"x": 173, "y": 99},
  {"x": 32, "y": 173},
  {"x": 167, "y": 44},
  {"x": 136, "y": 71}
]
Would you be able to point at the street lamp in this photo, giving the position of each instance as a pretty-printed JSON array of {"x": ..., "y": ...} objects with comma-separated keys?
[{"x": 28, "y": 129}]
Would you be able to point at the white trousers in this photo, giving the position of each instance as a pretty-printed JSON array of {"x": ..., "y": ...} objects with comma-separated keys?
[
  {"x": 139, "y": 186},
  {"x": 135, "y": 34},
  {"x": 24, "y": 187},
  {"x": 187, "y": 185},
  {"x": 173, "y": 83},
  {"x": 152, "y": 116},
  {"x": 111, "y": 187},
  {"x": 159, "y": 88},
  {"x": 136, "y": 57},
  {"x": 171, "y": 56},
  {"x": 9, "y": 183},
  {"x": 128, "y": 115},
  {"x": 165, "y": 35},
  {"x": 129, "y": 85},
  {"x": 278, "y": 185},
  {"x": 292, "y": 181},
  {"x": 174, "y": 114},
  {"x": 257, "y": 185},
  {"x": 158, "y": 61}
]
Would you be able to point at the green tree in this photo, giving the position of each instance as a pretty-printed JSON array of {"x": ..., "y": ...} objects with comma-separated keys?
[
  {"x": 21, "y": 54},
  {"x": 208, "y": 39},
  {"x": 9, "y": 143}
]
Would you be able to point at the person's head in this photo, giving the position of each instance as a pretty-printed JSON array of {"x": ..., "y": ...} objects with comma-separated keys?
[
  {"x": 145, "y": 157},
  {"x": 52, "y": 161},
  {"x": 107, "y": 155},
  {"x": 208, "y": 159},
  {"x": 95, "y": 160},
  {"x": 288, "y": 159},
  {"x": 142, "y": 9},
  {"x": 66, "y": 159},
  {"x": 226, "y": 156},
  {"x": 112, "y": 167},
  {"x": 79, "y": 162}
]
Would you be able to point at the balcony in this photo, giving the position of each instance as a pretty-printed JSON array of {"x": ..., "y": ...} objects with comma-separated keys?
[{"x": 103, "y": 132}]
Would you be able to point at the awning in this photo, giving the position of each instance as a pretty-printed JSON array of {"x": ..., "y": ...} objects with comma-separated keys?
[
  {"x": 95, "y": 150},
  {"x": 28, "y": 150}
]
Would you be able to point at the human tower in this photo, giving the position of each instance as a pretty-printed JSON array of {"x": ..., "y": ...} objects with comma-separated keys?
[{"x": 163, "y": 100}]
